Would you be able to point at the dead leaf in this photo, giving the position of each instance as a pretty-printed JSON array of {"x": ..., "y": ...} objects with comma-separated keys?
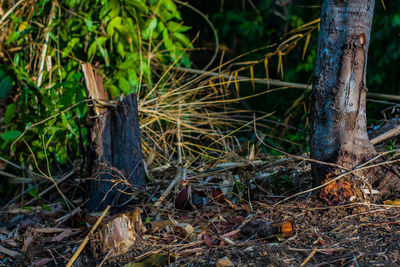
[
  {"x": 185, "y": 228},
  {"x": 208, "y": 240},
  {"x": 161, "y": 224},
  {"x": 11, "y": 243},
  {"x": 49, "y": 230},
  {"x": 224, "y": 262},
  {"x": 183, "y": 199},
  {"x": 231, "y": 204},
  {"x": 27, "y": 241},
  {"x": 157, "y": 260},
  {"x": 227, "y": 240},
  {"x": 9, "y": 252},
  {"x": 42, "y": 262},
  {"x": 55, "y": 210},
  {"x": 231, "y": 233},
  {"x": 218, "y": 195},
  {"x": 392, "y": 202},
  {"x": 62, "y": 235},
  {"x": 246, "y": 208}
]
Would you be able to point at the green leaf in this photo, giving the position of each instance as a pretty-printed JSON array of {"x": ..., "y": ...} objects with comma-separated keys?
[
  {"x": 114, "y": 91},
  {"x": 185, "y": 41},
  {"x": 92, "y": 49},
  {"x": 89, "y": 23},
  {"x": 149, "y": 26},
  {"x": 34, "y": 192},
  {"x": 167, "y": 41},
  {"x": 11, "y": 135},
  {"x": 121, "y": 50},
  {"x": 165, "y": 15},
  {"x": 139, "y": 4},
  {"x": 5, "y": 86},
  {"x": 174, "y": 26},
  {"x": 67, "y": 125},
  {"x": 13, "y": 36},
  {"x": 124, "y": 86},
  {"x": 100, "y": 41},
  {"x": 46, "y": 207},
  {"x": 396, "y": 20},
  {"x": 10, "y": 113},
  {"x": 170, "y": 6},
  {"x": 115, "y": 23}
]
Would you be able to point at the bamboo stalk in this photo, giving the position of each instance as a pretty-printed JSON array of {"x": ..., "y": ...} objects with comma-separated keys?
[{"x": 45, "y": 46}]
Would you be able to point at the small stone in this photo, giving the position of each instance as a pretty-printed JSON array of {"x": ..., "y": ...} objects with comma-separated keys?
[{"x": 224, "y": 262}]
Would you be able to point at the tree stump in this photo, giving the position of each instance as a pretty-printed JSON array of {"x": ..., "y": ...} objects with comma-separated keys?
[{"x": 115, "y": 153}]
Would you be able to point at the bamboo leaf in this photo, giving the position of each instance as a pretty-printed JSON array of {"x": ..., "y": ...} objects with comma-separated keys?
[
  {"x": 280, "y": 64},
  {"x": 213, "y": 87},
  {"x": 237, "y": 84},
  {"x": 383, "y": 4},
  {"x": 266, "y": 70},
  {"x": 308, "y": 36},
  {"x": 252, "y": 77}
]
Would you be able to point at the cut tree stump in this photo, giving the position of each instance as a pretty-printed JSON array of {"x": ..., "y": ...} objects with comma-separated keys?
[{"x": 115, "y": 159}]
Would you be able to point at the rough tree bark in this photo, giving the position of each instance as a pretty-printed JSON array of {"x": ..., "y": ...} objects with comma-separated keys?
[
  {"x": 115, "y": 156},
  {"x": 338, "y": 118}
]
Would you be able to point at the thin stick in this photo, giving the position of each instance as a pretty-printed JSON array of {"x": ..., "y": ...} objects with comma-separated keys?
[
  {"x": 308, "y": 257},
  {"x": 166, "y": 192},
  {"x": 52, "y": 186},
  {"x": 83, "y": 244}
]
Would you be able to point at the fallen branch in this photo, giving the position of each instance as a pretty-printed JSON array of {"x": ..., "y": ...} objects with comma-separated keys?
[{"x": 386, "y": 135}]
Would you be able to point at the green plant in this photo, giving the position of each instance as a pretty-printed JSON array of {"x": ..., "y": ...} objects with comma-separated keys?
[
  {"x": 391, "y": 145},
  {"x": 129, "y": 41}
]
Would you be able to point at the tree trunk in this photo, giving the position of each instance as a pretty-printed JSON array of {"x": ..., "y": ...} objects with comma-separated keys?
[
  {"x": 338, "y": 118},
  {"x": 115, "y": 161}
]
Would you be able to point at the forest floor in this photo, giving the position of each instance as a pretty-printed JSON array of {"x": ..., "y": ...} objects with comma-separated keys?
[{"x": 208, "y": 228}]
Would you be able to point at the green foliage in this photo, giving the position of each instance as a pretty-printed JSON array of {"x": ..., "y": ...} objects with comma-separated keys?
[
  {"x": 126, "y": 40},
  {"x": 392, "y": 145}
]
